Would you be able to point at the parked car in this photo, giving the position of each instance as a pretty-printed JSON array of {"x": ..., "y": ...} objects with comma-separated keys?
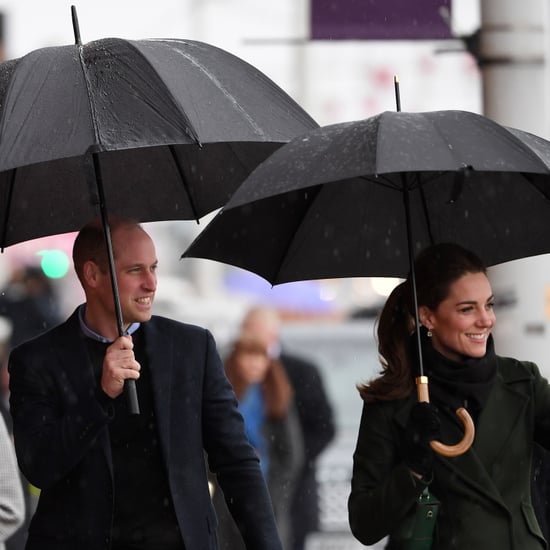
[{"x": 346, "y": 355}]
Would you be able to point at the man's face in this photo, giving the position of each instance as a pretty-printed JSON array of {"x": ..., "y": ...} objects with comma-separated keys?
[
  {"x": 262, "y": 328},
  {"x": 135, "y": 266}
]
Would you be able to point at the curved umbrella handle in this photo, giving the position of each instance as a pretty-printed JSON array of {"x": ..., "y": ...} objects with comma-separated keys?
[{"x": 469, "y": 429}]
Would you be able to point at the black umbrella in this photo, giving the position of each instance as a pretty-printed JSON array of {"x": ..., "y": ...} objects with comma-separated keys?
[
  {"x": 155, "y": 129},
  {"x": 361, "y": 198}
]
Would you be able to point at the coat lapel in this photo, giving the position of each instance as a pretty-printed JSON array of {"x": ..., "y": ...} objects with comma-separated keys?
[
  {"x": 500, "y": 418},
  {"x": 159, "y": 349},
  {"x": 496, "y": 426},
  {"x": 75, "y": 366}
]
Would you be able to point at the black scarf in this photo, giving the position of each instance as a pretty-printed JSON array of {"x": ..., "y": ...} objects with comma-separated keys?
[{"x": 456, "y": 384}]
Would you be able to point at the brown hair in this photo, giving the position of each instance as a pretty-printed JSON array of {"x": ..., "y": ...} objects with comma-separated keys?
[
  {"x": 90, "y": 244},
  {"x": 436, "y": 269},
  {"x": 276, "y": 387}
]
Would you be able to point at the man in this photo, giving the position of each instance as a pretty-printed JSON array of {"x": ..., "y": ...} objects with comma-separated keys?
[
  {"x": 111, "y": 480},
  {"x": 314, "y": 412}
]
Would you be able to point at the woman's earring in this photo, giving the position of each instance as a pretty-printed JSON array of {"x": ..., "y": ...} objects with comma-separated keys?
[{"x": 429, "y": 333}]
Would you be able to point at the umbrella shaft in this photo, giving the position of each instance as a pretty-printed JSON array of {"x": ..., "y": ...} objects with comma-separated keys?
[
  {"x": 412, "y": 274},
  {"x": 129, "y": 385}
]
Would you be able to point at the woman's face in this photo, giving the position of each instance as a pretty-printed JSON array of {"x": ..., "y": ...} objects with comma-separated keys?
[
  {"x": 252, "y": 366},
  {"x": 462, "y": 322}
]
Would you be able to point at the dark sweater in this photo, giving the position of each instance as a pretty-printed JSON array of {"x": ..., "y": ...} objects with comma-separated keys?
[{"x": 144, "y": 516}]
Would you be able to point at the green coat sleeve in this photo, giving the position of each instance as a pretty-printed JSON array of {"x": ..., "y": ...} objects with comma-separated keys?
[
  {"x": 383, "y": 491},
  {"x": 541, "y": 392}
]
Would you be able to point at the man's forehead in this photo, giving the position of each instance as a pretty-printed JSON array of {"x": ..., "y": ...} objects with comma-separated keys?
[{"x": 134, "y": 242}]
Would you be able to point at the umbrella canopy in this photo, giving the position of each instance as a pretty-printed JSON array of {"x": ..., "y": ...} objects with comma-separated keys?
[
  {"x": 155, "y": 129},
  {"x": 361, "y": 198},
  {"x": 173, "y": 126},
  {"x": 331, "y": 203}
]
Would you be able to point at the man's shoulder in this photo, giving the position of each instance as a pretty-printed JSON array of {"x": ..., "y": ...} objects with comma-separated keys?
[
  {"x": 47, "y": 338},
  {"x": 160, "y": 321},
  {"x": 166, "y": 325}
]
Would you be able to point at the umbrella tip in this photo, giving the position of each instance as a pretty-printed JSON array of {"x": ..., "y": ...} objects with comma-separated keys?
[
  {"x": 76, "y": 28},
  {"x": 397, "y": 95}
]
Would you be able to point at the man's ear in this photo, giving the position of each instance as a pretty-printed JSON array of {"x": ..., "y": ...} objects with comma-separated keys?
[{"x": 90, "y": 272}]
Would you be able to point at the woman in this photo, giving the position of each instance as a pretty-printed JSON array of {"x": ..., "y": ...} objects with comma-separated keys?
[
  {"x": 12, "y": 505},
  {"x": 485, "y": 493},
  {"x": 266, "y": 401}
]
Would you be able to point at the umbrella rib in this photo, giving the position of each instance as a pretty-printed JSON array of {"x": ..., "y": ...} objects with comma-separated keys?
[
  {"x": 525, "y": 148},
  {"x": 8, "y": 209},
  {"x": 89, "y": 94},
  {"x": 284, "y": 255},
  {"x": 380, "y": 180},
  {"x": 425, "y": 208},
  {"x": 189, "y": 127},
  {"x": 530, "y": 178},
  {"x": 184, "y": 180},
  {"x": 193, "y": 60}
]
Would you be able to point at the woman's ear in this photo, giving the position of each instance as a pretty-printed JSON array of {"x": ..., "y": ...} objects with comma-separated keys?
[{"x": 426, "y": 317}]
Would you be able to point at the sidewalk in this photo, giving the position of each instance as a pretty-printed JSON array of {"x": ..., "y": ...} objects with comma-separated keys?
[{"x": 338, "y": 541}]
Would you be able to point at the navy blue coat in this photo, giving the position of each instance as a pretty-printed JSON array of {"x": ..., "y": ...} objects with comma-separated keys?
[{"x": 62, "y": 440}]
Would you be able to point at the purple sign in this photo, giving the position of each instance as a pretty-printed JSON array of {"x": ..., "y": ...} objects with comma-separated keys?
[{"x": 380, "y": 19}]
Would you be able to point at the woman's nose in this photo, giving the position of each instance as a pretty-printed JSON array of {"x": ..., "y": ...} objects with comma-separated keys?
[{"x": 487, "y": 318}]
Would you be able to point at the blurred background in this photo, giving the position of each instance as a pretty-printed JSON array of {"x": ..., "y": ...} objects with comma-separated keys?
[{"x": 337, "y": 59}]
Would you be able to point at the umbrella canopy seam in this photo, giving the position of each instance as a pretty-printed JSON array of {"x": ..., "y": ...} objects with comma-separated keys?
[{"x": 189, "y": 126}]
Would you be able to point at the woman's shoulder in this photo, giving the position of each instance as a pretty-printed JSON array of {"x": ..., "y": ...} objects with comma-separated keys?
[
  {"x": 512, "y": 369},
  {"x": 394, "y": 408},
  {"x": 515, "y": 364}
]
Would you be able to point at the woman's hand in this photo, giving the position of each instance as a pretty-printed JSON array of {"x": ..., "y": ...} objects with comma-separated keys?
[{"x": 422, "y": 427}]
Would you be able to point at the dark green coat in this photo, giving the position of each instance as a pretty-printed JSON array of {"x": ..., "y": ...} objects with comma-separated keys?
[{"x": 485, "y": 493}]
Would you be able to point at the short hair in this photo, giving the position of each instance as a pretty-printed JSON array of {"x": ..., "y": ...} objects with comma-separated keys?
[{"x": 90, "y": 244}]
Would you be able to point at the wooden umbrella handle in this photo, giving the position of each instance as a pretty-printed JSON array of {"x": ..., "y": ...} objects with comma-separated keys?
[{"x": 469, "y": 429}]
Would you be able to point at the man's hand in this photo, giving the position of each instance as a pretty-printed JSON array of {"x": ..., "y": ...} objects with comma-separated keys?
[{"x": 118, "y": 365}]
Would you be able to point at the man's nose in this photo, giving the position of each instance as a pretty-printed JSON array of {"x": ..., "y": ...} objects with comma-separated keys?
[{"x": 150, "y": 281}]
